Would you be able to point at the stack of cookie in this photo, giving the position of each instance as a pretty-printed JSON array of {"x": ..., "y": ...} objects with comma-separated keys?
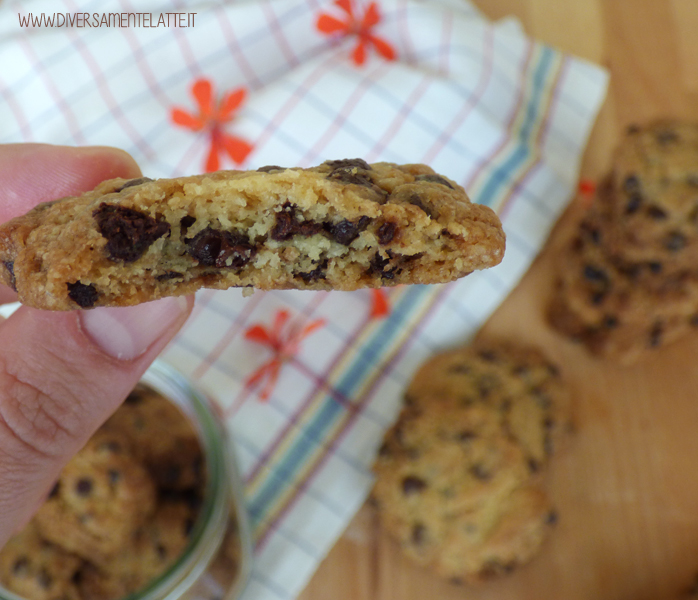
[
  {"x": 459, "y": 476},
  {"x": 122, "y": 511},
  {"x": 628, "y": 281}
]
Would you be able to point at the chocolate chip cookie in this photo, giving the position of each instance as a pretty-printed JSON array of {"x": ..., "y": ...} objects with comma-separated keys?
[
  {"x": 619, "y": 308},
  {"x": 655, "y": 178},
  {"x": 153, "y": 549},
  {"x": 34, "y": 568},
  {"x": 101, "y": 498},
  {"x": 342, "y": 225},
  {"x": 459, "y": 476},
  {"x": 161, "y": 437}
]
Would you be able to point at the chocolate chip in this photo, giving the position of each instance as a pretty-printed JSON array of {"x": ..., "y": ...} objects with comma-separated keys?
[
  {"x": 170, "y": 475},
  {"x": 655, "y": 267},
  {"x": 488, "y": 356},
  {"x": 656, "y": 335},
  {"x": 597, "y": 298},
  {"x": 386, "y": 232},
  {"x": 592, "y": 232},
  {"x": 594, "y": 274},
  {"x": 542, "y": 397},
  {"x": 186, "y": 222},
  {"x": 129, "y": 233},
  {"x": 419, "y": 532},
  {"x": 169, "y": 275},
  {"x": 666, "y": 136},
  {"x": 434, "y": 178},
  {"x": 487, "y": 384},
  {"x": 533, "y": 465},
  {"x": 610, "y": 322},
  {"x": 466, "y": 436},
  {"x": 319, "y": 272},
  {"x": 693, "y": 321},
  {"x": 270, "y": 168},
  {"x": 480, "y": 472},
  {"x": 284, "y": 226},
  {"x": 354, "y": 171},
  {"x": 351, "y": 176},
  {"x": 349, "y": 163},
  {"x": 287, "y": 225},
  {"x": 675, "y": 241},
  {"x": 10, "y": 266},
  {"x": 656, "y": 213},
  {"x": 413, "y": 485},
  {"x": 44, "y": 579},
  {"x": 133, "y": 183},
  {"x": 221, "y": 249},
  {"x": 114, "y": 476},
  {"x": 188, "y": 527},
  {"x": 633, "y": 204},
  {"x": 378, "y": 266},
  {"x": 456, "y": 581},
  {"x": 111, "y": 446},
  {"x": 552, "y": 518},
  {"x": 161, "y": 550},
  {"x": 345, "y": 232},
  {"x": 631, "y": 184},
  {"x": 419, "y": 202},
  {"x": 632, "y": 129},
  {"x": 84, "y": 295},
  {"x": 83, "y": 486},
  {"x": 21, "y": 566}
]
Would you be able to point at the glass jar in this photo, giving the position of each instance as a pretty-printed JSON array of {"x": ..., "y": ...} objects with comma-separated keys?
[{"x": 217, "y": 561}]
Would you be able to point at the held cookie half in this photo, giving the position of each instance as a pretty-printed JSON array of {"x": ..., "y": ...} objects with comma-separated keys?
[{"x": 342, "y": 225}]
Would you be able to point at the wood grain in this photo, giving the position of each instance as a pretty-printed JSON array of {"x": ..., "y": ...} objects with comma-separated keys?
[{"x": 627, "y": 488}]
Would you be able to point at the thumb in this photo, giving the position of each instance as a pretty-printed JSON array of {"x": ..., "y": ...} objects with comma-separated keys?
[
  {"x": 61, "y": 376},
  {"x": 34, "y": 173}
]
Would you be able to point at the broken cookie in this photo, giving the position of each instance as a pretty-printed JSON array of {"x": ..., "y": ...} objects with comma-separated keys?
[{"x": 342, "y": 225}]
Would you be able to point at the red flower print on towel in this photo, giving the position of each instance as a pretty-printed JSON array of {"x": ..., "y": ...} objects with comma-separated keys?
[
  {"x": 212, "y": 118},
  {"x": 284, "y": 342},
  {"x": 360, "y": 27},
  {"x": 380, "y": 307}
]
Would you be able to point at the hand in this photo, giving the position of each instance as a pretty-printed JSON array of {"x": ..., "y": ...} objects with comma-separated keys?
[{"x": 63, "y": 373}]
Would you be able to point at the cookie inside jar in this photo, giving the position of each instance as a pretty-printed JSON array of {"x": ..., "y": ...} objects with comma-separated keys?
[{"x": 122, "y": 512}]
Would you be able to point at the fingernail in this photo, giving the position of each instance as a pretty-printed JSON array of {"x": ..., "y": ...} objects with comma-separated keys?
[{"x": 126, "y": 333}]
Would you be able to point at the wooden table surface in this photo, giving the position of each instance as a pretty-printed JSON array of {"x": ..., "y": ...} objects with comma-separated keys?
[{"x": 627, "y": 488}]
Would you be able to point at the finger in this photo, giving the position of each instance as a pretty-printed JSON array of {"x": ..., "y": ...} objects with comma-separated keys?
[
  {"x": 61, "y": 376},
  {"x": 34, "y": 173}
]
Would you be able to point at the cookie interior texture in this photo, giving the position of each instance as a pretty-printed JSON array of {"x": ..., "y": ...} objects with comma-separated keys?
[
  {"x": 342, "y": 225},
  {"x": 121, "y": 513},
  {"x": 459, "y": 478}
]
